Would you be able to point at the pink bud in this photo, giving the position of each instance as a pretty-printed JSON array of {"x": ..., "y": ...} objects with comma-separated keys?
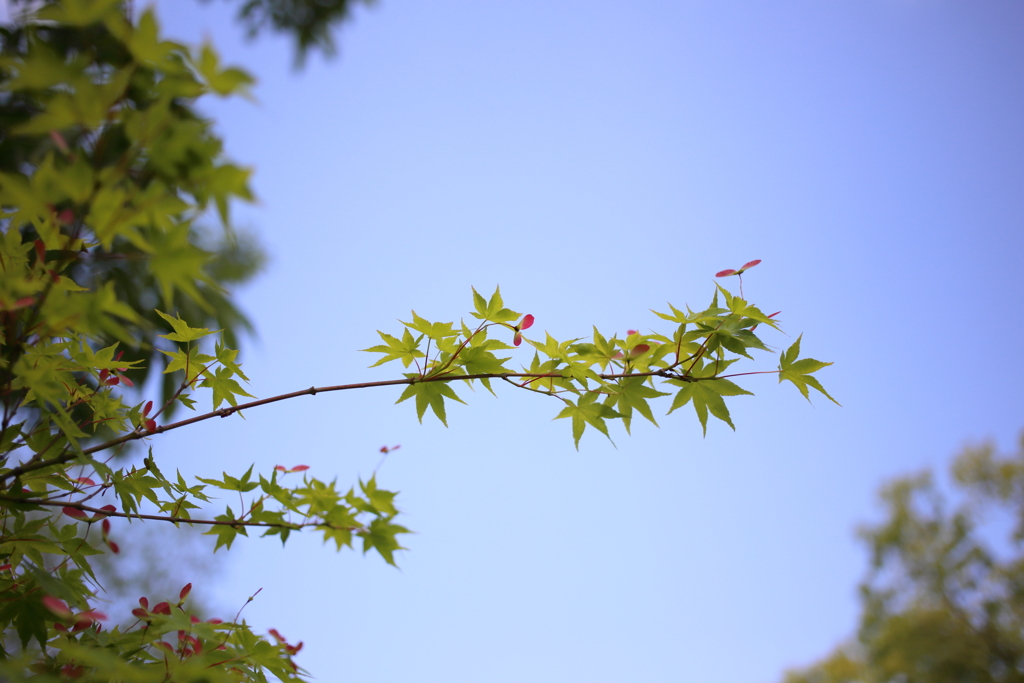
[
  {"x": 527, "y": 322},
  {"x": 517, "y": 339},
  {"x": 140, "y": 613},
  {"x": 114, "y": 547},
  {"x": 56, "y": 606},
  {"x": 59, "y": 141},
  {"x": 725, "y": 273},
  {"x": 162, "y": 608},
  {"x": 750, "y": 264},
  {"x": 185, "y": 591},
  {"x": 150, "y": 425},
  {"x": 86, "y": 618},
  {"x": 629, "y": 332},
  {"x": 106, "y": 527},
  {"x": 640, "y": 349},
  {"x": 149, "y": 406},
  {"x": 300, "y": 468},
  {"x": 281, "y": 468},
  {"x": 127, "y": 382},
  {"x": 144, "y": 602}
]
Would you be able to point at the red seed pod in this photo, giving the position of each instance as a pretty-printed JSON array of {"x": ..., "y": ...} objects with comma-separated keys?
[
  {"x": 147, "y": 408},
  {"x": 60, "y": 142},
  {"x": 144, "y": 602},
  {"x": 140, "y": 613},
  {"x": 162, "y": 608},
  {"x": 114, "y": 547},
  {"x": 185, "y": 591},
  {"x": 74, "y": 513},
  {"x": 106, "y": 527},
  {"x": 57, "y": 606},
  {"x": 85, "y": 480},
  {"x": 750, "y": 264},
  {"x": 150, "y": 425},
  {"x": 725, "y": 273},
  {"x": 300, "y": 468},
  {"x": 527, "y": 322}
]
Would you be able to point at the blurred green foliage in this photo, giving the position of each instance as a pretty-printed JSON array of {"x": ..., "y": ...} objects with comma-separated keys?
[
  {"x": 944, "y": 601},
  {"x": 60, "y": 86}
]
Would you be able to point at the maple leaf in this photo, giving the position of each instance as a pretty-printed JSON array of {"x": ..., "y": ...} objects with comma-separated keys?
[{"x": 799, "y": 371}]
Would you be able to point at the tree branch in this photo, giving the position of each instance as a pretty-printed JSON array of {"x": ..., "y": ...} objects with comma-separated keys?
[
  {"x": 312, "y": 391},
  {"x": 164, "y": 518}
]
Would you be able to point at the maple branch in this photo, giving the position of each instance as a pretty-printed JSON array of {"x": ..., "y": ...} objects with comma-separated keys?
[
  {"x": 312, "y": 391},
  {"x": 163, "y": 518}
]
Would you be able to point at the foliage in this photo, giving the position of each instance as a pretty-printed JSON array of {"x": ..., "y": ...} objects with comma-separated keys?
[
  {"x": 107, "y": 170},
  {"x": 942, "y": 603},
  {"x": 308, "y": 21}
]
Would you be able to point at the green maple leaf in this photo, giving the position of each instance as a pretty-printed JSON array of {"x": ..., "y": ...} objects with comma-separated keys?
[
  {"x": 706, "y": 396},
  {"x": 380, "y": 535},
  {"x": 799, "y": 371},
  {"x": 432, "y": 330},
  {"x": 225, "y": 533},
  {"x": 190, "y": 360},
  {"x": 494, "y": 309},
  {"x": 430, "y": 394},
  {"x": 587, "y": 411},
  {"x": 633, "y": 392},
  {"x": 225, "y": 388},
  {"x": 182, "y": 332},
  {"x": 405, "y": 350}
]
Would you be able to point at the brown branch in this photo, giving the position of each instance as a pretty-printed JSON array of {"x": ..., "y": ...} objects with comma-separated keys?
[
  {"x": 313, "y": 391},
  {"x": 163, "y": 518}
]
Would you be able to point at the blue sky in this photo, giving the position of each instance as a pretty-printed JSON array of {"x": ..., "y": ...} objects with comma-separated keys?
[{"x": 597, "y": 162}]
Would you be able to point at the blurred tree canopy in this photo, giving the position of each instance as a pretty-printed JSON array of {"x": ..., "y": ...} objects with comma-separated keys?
[
  {"x": 944, "y": 599},
  {"x": 197, "y": 263},
  {"x": 309, "y": 22}
]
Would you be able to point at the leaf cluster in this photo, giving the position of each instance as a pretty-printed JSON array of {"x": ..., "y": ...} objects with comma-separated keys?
[{"x": 601, "y": 378}]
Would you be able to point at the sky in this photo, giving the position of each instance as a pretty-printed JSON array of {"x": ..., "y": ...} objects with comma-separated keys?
[{"x": 596, "y": 164}]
